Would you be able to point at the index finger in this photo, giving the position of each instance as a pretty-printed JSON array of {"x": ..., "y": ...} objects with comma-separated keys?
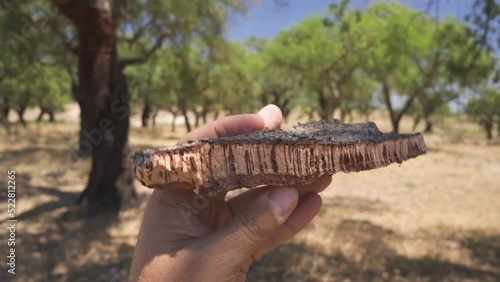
[{"x": 227, "y": 126}]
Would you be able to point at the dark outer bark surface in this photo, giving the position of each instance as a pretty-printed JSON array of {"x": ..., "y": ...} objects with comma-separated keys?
[
  {"x": 298, "y": 156},
  {"x": 104, "y": 101}
]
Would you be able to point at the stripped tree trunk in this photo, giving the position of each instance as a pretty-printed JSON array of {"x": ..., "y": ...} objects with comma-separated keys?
[{"x": 104, "y": 101}]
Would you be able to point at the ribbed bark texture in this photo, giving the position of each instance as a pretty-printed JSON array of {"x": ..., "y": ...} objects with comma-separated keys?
[{"x": 300, "y": 155}]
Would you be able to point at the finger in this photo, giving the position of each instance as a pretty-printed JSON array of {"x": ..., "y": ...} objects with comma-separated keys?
[
  {"x": 307, "y": 208},
  {"x": 247, "y": 231},
  {"x": 241, "y": 201},
  {"x": 271, "y": 115},
  {"x": 227, "y": 126}
]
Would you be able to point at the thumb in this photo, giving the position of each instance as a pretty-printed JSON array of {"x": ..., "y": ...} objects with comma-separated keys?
[{"x": 238, "y": 241}]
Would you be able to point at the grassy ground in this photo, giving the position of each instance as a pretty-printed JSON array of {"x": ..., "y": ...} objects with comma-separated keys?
[{"x": 435, "y": 218}]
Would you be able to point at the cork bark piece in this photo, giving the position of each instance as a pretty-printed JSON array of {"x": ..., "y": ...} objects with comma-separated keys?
[{"x": 300, "y": 155}]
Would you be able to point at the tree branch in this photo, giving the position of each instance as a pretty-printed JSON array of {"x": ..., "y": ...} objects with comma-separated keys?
[
  {"x": 386, "y": 91},
  {"x": 139, "y": 32},
  {"x": 147, "y": 54},
  {"x": 69, "y": 8},
  {"x": 428, "y": 80},
  {"x": 65, "y": 40}
]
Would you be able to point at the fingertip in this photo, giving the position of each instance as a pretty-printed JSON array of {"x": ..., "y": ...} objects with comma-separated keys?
[
  {"x": 272, "y": 116},
  {"x": 315, "y": 200}
]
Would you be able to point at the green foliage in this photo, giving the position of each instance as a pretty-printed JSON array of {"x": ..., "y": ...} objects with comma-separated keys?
[
  {"x": 43, "y": 86},
  {"x": 317, "y": 55},
  {"x": 174, "y": 22},
  {"x": 51, "y": 88},
  {"x": 485, "y": 109},
  {"x": 413, "y": 56},
  {"x": 400, "y": 42},
  {"x": 26, "y": 51},
  {"x": 147, "y": 82},
  {"x": 277, "y": 84},
  {"x": 486, "y": 106},
  {"x": 235, "y": 80},
  {"x": 484, "y": 19},
  {"x": 465, "y": 63}
]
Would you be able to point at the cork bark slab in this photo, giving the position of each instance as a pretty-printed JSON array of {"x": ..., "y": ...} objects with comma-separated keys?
[{"x": 300, "y": 155}]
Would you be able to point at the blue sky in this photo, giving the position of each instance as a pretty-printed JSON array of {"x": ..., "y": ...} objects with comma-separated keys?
[{"x": 266, "y": 19}]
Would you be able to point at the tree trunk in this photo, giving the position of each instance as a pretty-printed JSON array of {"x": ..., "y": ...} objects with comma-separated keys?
[
  {"x": 40, "y": 116},
  {"x": 395, "y": 125},
  {"x": 204, "y": 114},
  {"x": 428, "y": 123},
  {"x": 334, "y": 100},
  {"x": 153, "y": 117},
  {"x": 5, "y": 109},
  {"x": 386, "y": 91},
  {"x": 83, "y": 150},
  {"x": 146, "y": 111},
  {"x": 488, "y": 126},
  {"x": 343, "y": 114},
  {"x": 4, "y": 117},
  {"x": 323, "y": 107},
  {"x": 197, "y": 119},
  {"x": 20, "y": 111},
  {"x": 186, "y": 120},
  {"x": 416, "y": 121},
  {"x": 52, "y": 116},
  {"x": 498, "y": 127},
  {"x": 104, "y": 100}
]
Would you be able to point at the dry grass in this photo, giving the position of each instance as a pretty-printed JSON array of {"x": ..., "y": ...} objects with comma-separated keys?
[{"x": 435, "y": 218}]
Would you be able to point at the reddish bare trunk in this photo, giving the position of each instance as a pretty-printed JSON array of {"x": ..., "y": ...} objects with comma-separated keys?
[{"x": 104, "y": 102}]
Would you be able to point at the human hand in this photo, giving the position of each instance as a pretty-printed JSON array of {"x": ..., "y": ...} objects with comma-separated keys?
[{"x": 185, "y": 237}]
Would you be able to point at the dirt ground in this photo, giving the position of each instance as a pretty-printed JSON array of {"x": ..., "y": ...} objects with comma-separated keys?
[{"x": 434, "y": 218}]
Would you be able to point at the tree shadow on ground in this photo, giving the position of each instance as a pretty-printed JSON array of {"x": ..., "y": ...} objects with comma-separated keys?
[
  {"x": 27, "y": 154},
  {"x": 361, "y": 251},
  {"x": 115, "y": 270},
  {"x": 54, "y": 236},
  {"x": 484, "y": 248}
]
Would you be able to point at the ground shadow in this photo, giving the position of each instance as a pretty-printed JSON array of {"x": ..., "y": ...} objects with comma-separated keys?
[
  {"x": 54, "y": 234},
  {"x": 369, "y": 259},
  {"x": 484, "y": 248},
  {"x": 111, "y": 271}
]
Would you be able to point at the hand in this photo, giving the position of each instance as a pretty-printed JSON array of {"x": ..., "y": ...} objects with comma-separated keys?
[{"x": 185, "y": 237}]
